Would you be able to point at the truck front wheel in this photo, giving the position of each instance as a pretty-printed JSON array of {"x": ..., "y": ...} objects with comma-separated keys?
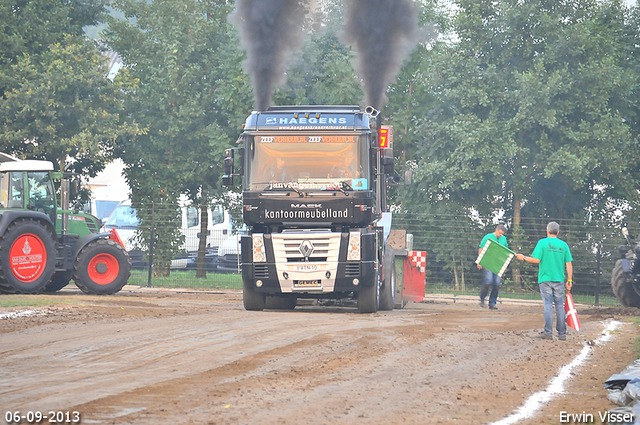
[
  {"x": 624, "y": 287},
  {"x": 388, "y": 292},
  {"x": 252, "y": 299},
  {"x": 27, "y": 257},
  {"x": 369, "y": 297},
  {"x": 102, "y": 267}
]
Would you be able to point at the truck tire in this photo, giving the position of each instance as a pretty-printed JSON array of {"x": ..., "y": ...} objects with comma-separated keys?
[
  {"x": 252, "y": 299},
  {"x": 369, "y": 297},
  {"x": 280, "y": 303},
  {"x": 59, "y": 281},
  {"x": 102, "y": 267},
  {"x": 388, "y": 291},
  {"x": 27, "y": 257},
  {"x": 624, "y": 287}
]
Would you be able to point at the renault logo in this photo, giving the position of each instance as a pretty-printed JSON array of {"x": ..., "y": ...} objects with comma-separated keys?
[{"x": 306, "y": 249}]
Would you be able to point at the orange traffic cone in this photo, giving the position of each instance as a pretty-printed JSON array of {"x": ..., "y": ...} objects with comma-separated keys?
[{"x": 570, "y": 313}]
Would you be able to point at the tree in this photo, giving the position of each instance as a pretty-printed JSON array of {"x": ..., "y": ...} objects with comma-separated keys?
[
  {"x": 64, "y": 108},
  {"x": 192, "y": 99},
  {"x": 532, "y": 94},
  {"x": 30, "y": 27},
  {"x": 56, "y": 102}
]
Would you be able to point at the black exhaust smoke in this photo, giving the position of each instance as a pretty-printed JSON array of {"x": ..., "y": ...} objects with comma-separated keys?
[
  {"x": 382, "y": 32},
  {"x": 270, "y": 30}
]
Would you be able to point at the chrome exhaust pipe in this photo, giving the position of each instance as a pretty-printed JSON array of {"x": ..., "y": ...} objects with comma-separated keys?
[{"x": 371, "y": 112}]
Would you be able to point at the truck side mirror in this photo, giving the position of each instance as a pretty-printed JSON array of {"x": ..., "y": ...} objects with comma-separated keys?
[
  {"x": 227, "y": 179},
  {"x": 387, "y": 165},
  {"x": 228, "y": 161},
  {"x": 241, "y": 159}
]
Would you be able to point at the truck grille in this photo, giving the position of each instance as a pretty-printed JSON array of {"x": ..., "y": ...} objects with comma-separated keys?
[
  {"x": 352, "y": 270},
  {"x": 286, "y": 246},
  {"x": 261, "y": 271}
]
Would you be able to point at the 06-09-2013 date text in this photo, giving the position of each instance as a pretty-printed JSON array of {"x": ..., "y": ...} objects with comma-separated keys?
[{"x": 54, "y": 417}]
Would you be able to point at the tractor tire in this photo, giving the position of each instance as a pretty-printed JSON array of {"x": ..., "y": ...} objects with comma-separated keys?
[
  {"x": 369, "y": 298},
  {"x": 102, "y": 267},
  {"x": 58, "y": 281},
  {"x": 27, "y": 257},
  {"x": 252, "y": 299},
  {"x": 388, "y": 292},
  {"x": 624, "y": 287},
  {"x": 280, "y": 303}
]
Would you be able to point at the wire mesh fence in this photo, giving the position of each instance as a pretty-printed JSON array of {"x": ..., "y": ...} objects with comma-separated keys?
[{"x": 451, "y": 243}]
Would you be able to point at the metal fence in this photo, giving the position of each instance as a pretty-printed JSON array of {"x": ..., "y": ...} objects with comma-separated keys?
[{"x": 451, "y": 243}]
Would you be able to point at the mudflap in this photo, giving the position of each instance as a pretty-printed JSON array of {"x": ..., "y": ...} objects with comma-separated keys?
[
  {"x": 414, "y": 276},
  {"x": 410, "y": 276}
]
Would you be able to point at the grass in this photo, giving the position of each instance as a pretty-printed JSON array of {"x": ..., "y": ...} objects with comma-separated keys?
[
  {"x": 187, "y": 279},
  {"x": 16, "y": 300},
  {"x": 604, "y": 299},
  {"x": 636, "y": 347}
]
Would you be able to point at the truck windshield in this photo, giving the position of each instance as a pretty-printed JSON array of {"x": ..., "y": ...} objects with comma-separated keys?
[
  {"x": 122, "y": 217},
  {"x": 307, "y": 162}
]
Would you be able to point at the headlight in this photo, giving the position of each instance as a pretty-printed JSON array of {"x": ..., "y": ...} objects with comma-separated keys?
[
  {"x": 259, "y": 256},
  {"x": 353, "y": 250}
]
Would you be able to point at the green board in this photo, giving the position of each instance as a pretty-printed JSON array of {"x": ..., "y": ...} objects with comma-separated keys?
[{"x": 495, "y": 257}]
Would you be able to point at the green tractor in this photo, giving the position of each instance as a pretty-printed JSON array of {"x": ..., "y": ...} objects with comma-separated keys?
[{"x": 43, "y": 245}]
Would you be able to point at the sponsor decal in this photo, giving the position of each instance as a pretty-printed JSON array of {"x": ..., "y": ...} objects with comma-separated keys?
[
  {"x": 290, "y": 122},
  {"x": 305, "y": 121},
  {"x": 27, "y": 258},
  {"x": 359, "y": 184},
  {"x": 306, "y": 205},
  {"x": 306, "y": 214}
]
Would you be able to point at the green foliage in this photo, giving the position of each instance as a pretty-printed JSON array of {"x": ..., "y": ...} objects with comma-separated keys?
[
  {"x": 55, "y": 102},
  {"x": 63, "y": 107},
  {"x": 191, "y": 99},
  {"x": 531, "y": 99}
]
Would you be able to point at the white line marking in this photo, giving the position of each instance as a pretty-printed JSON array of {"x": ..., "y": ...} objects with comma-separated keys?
[
  {"x": 535, "y": 402},
  {"x": 26, "y": 313}
]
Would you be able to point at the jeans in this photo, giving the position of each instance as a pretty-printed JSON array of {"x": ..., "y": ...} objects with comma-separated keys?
[
  {"x": 489, "y": 278},
  {"x": 553, "y": 293}
]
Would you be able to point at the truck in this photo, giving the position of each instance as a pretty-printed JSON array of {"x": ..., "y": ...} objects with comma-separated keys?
[
  {"x": 44, "y": 244},
  {"x": 314, "y": 191}
]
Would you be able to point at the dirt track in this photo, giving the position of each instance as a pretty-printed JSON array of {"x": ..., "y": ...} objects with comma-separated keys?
[{"x": 155, "y": 357}]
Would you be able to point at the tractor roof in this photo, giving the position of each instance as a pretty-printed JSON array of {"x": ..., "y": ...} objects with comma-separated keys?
[{"x": 11, "y": 163}]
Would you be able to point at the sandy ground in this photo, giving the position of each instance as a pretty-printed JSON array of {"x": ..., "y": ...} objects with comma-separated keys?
[{"x": 150, "y": 356}]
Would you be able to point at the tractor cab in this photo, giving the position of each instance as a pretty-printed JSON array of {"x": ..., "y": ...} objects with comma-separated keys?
[{"x": 27, "y": 185}]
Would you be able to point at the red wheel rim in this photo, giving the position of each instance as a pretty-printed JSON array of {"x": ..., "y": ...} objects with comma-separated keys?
[
  {"x": 103, "y": 269},
  {"x": 27, "y": 257}
]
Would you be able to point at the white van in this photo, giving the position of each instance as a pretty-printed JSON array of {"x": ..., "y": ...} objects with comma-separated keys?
[
  {"x": 105, "y": 199},
  {"x": 124, "y": 220}
]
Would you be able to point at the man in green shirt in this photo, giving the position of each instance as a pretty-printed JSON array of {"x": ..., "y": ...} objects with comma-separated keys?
[
  {"x": 489, "y": 278},
  {"x": 554, "y": 256}
]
